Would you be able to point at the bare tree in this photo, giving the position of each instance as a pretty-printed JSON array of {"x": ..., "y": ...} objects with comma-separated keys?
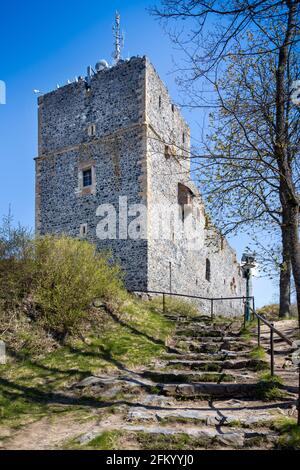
[{"x": 247, "y": 51}]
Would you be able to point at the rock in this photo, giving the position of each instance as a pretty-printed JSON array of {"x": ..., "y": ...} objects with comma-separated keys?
[
  {"x": 86, "y": 438},
  {"x": 293, "y": 411},
  {"x": 98, "y": 303},
  {"x": 232, "y": 439},
  {"x": 2, "y": 353}
]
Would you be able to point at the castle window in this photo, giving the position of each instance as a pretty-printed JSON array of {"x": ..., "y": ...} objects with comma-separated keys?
[
  {"x": 92, "y": 130},
  {"x": 83, "y": 230},
  {"x": 183, "y": 138},
  {"x": 173, "y": 108},
  {"x": 208, "y": 271},
  {"x": 159, "y": 101},
  {"x": 168, "y": 152},
  {"x": 87, "y": 178},
  {"x": 185, "y": 200},
  {"x": 222, "y": 243}
]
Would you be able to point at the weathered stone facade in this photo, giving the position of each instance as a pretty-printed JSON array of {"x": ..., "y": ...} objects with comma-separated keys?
[{"x": 124, "y": 133}]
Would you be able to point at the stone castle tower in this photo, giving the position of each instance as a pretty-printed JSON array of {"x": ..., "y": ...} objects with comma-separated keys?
[{"x": 116, "y": 139}]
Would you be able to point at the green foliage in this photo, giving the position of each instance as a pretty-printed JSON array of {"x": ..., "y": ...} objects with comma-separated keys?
[
  {"x": 70, "y": 274},
  {"x": 270, "y": 388},
  {"x": 127, "y": 339},
  {"x": 52, "y": 280},
  {"x": 271, "y": 312},
  {"x": 15, "y": 264},
  {"x": 108, "y": 440},
  {"x": 259, "y": 354},
  {"x": 290, "y": 433},
  {"x": 175, "y": 306}
]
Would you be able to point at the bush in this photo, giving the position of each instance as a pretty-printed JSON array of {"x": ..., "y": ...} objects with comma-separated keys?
[
  {"x": 69, "y": 275},
  {"x": 16, "y": 266},
  {"x": 271, "y": 312},
  {"x": 51, "y": 280}
]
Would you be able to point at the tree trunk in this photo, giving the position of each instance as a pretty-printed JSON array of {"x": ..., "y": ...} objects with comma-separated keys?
[
  {"x": 285, "y": 276},
  {"x": 295, "y": 252},
  {"x": 288, "y": 196}
]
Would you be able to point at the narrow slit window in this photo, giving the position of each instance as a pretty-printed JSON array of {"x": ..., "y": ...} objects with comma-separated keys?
[
  {"x": 208, "y": 271},
  {"x": 83, "y": 230},
  {"x": 92, "y": 130}
]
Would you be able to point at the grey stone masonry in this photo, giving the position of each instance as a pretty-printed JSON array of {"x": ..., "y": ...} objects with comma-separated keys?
[{"x": 120, "y": 141}]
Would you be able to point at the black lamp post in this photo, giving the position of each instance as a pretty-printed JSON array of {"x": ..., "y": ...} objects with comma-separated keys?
[{"x": 248, "y": 263}]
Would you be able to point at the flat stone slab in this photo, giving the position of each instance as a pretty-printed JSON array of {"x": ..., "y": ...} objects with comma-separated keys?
[
  {"x": 210, "y": 418},
  {"x": 211, "y": 339},
  {"x": 104, "y": 384},
  {"x": 226, "y": 364},
  {"x": 239, "y": 390}
]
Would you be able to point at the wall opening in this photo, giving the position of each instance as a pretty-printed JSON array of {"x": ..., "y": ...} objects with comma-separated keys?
[
  {"x": 92, "y": 130},
  {"x": 208, "y": 270},
  {"x": 83, "y": 230},
  {"x": 87, "y": 178},
  {"x": 185, "y": 200}
]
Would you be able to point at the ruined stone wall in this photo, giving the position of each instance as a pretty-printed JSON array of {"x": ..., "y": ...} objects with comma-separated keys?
[
  {"x": 177, "y": 265},
  {"x": 138, "y": 147},
  {"x": 115, "y": 104}
]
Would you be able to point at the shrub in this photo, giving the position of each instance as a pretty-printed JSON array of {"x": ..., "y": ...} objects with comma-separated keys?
[
  {"x": 16, "y": 264},
  {"x": 69, "y": 275}
]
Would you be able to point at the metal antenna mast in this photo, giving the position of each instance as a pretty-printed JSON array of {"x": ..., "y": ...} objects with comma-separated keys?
[{"x": 119, "y": 38}]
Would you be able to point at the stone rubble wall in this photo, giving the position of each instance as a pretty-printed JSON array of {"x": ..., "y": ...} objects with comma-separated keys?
[{"x": 135, "y": 121}]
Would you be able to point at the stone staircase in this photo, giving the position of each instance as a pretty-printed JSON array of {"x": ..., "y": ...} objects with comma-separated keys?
[{"x": 208, "y": 390}]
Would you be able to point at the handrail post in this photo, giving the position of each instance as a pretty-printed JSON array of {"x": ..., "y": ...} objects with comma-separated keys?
[
  {"x": 299, "y": 398},
  {"x": 272, "y": 349},
  {"x": 258, "y": 332},
  {"x": 253, "y": 305},
  {"x": 212, "y": 309},
  {"x": 164, "y": 303}
]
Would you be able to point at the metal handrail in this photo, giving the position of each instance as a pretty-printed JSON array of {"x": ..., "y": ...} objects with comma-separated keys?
[
  {"x": 261, "y": 319},
  {"x": 212, "y": 300}
]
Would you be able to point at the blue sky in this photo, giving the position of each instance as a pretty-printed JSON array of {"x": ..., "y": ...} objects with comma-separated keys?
[{"x": 43, "y": 44}]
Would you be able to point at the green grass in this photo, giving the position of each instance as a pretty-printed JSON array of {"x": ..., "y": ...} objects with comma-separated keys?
[
  {"x": 171, "y": 442},
  {"x": 108, "y": 440},
  {"x": 175, "y": 307},
  {"x": 289, "y": 433},
  {"x": 259, "y": 354},
  {"x": 247, "y": 331},
  {"x": 270, "y": 388},
  {"x": 29, "y": 387}
]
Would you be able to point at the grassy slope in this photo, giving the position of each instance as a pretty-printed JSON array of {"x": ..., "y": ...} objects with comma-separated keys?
[{"x": 31, "y": 388}]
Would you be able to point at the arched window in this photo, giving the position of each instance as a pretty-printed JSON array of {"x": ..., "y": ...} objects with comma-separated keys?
[{"x": 208, "y": 270}]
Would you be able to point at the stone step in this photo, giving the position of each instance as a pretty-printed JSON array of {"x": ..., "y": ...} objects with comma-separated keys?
[
  {"x": 198, "y": 347},
  {"x": 211, "y": 339},
  {"x": 209, "y": 390},
  {"x": 223, "y": 355},
  {"x": 217, "y": 366},
  {"x": 176, "y": 376},
  {"x": 244, "y": 418},
  {"x": 195, "y": 437},
  {"x": 206, "y": 437},
  {"x": 202, "y": 333}
]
